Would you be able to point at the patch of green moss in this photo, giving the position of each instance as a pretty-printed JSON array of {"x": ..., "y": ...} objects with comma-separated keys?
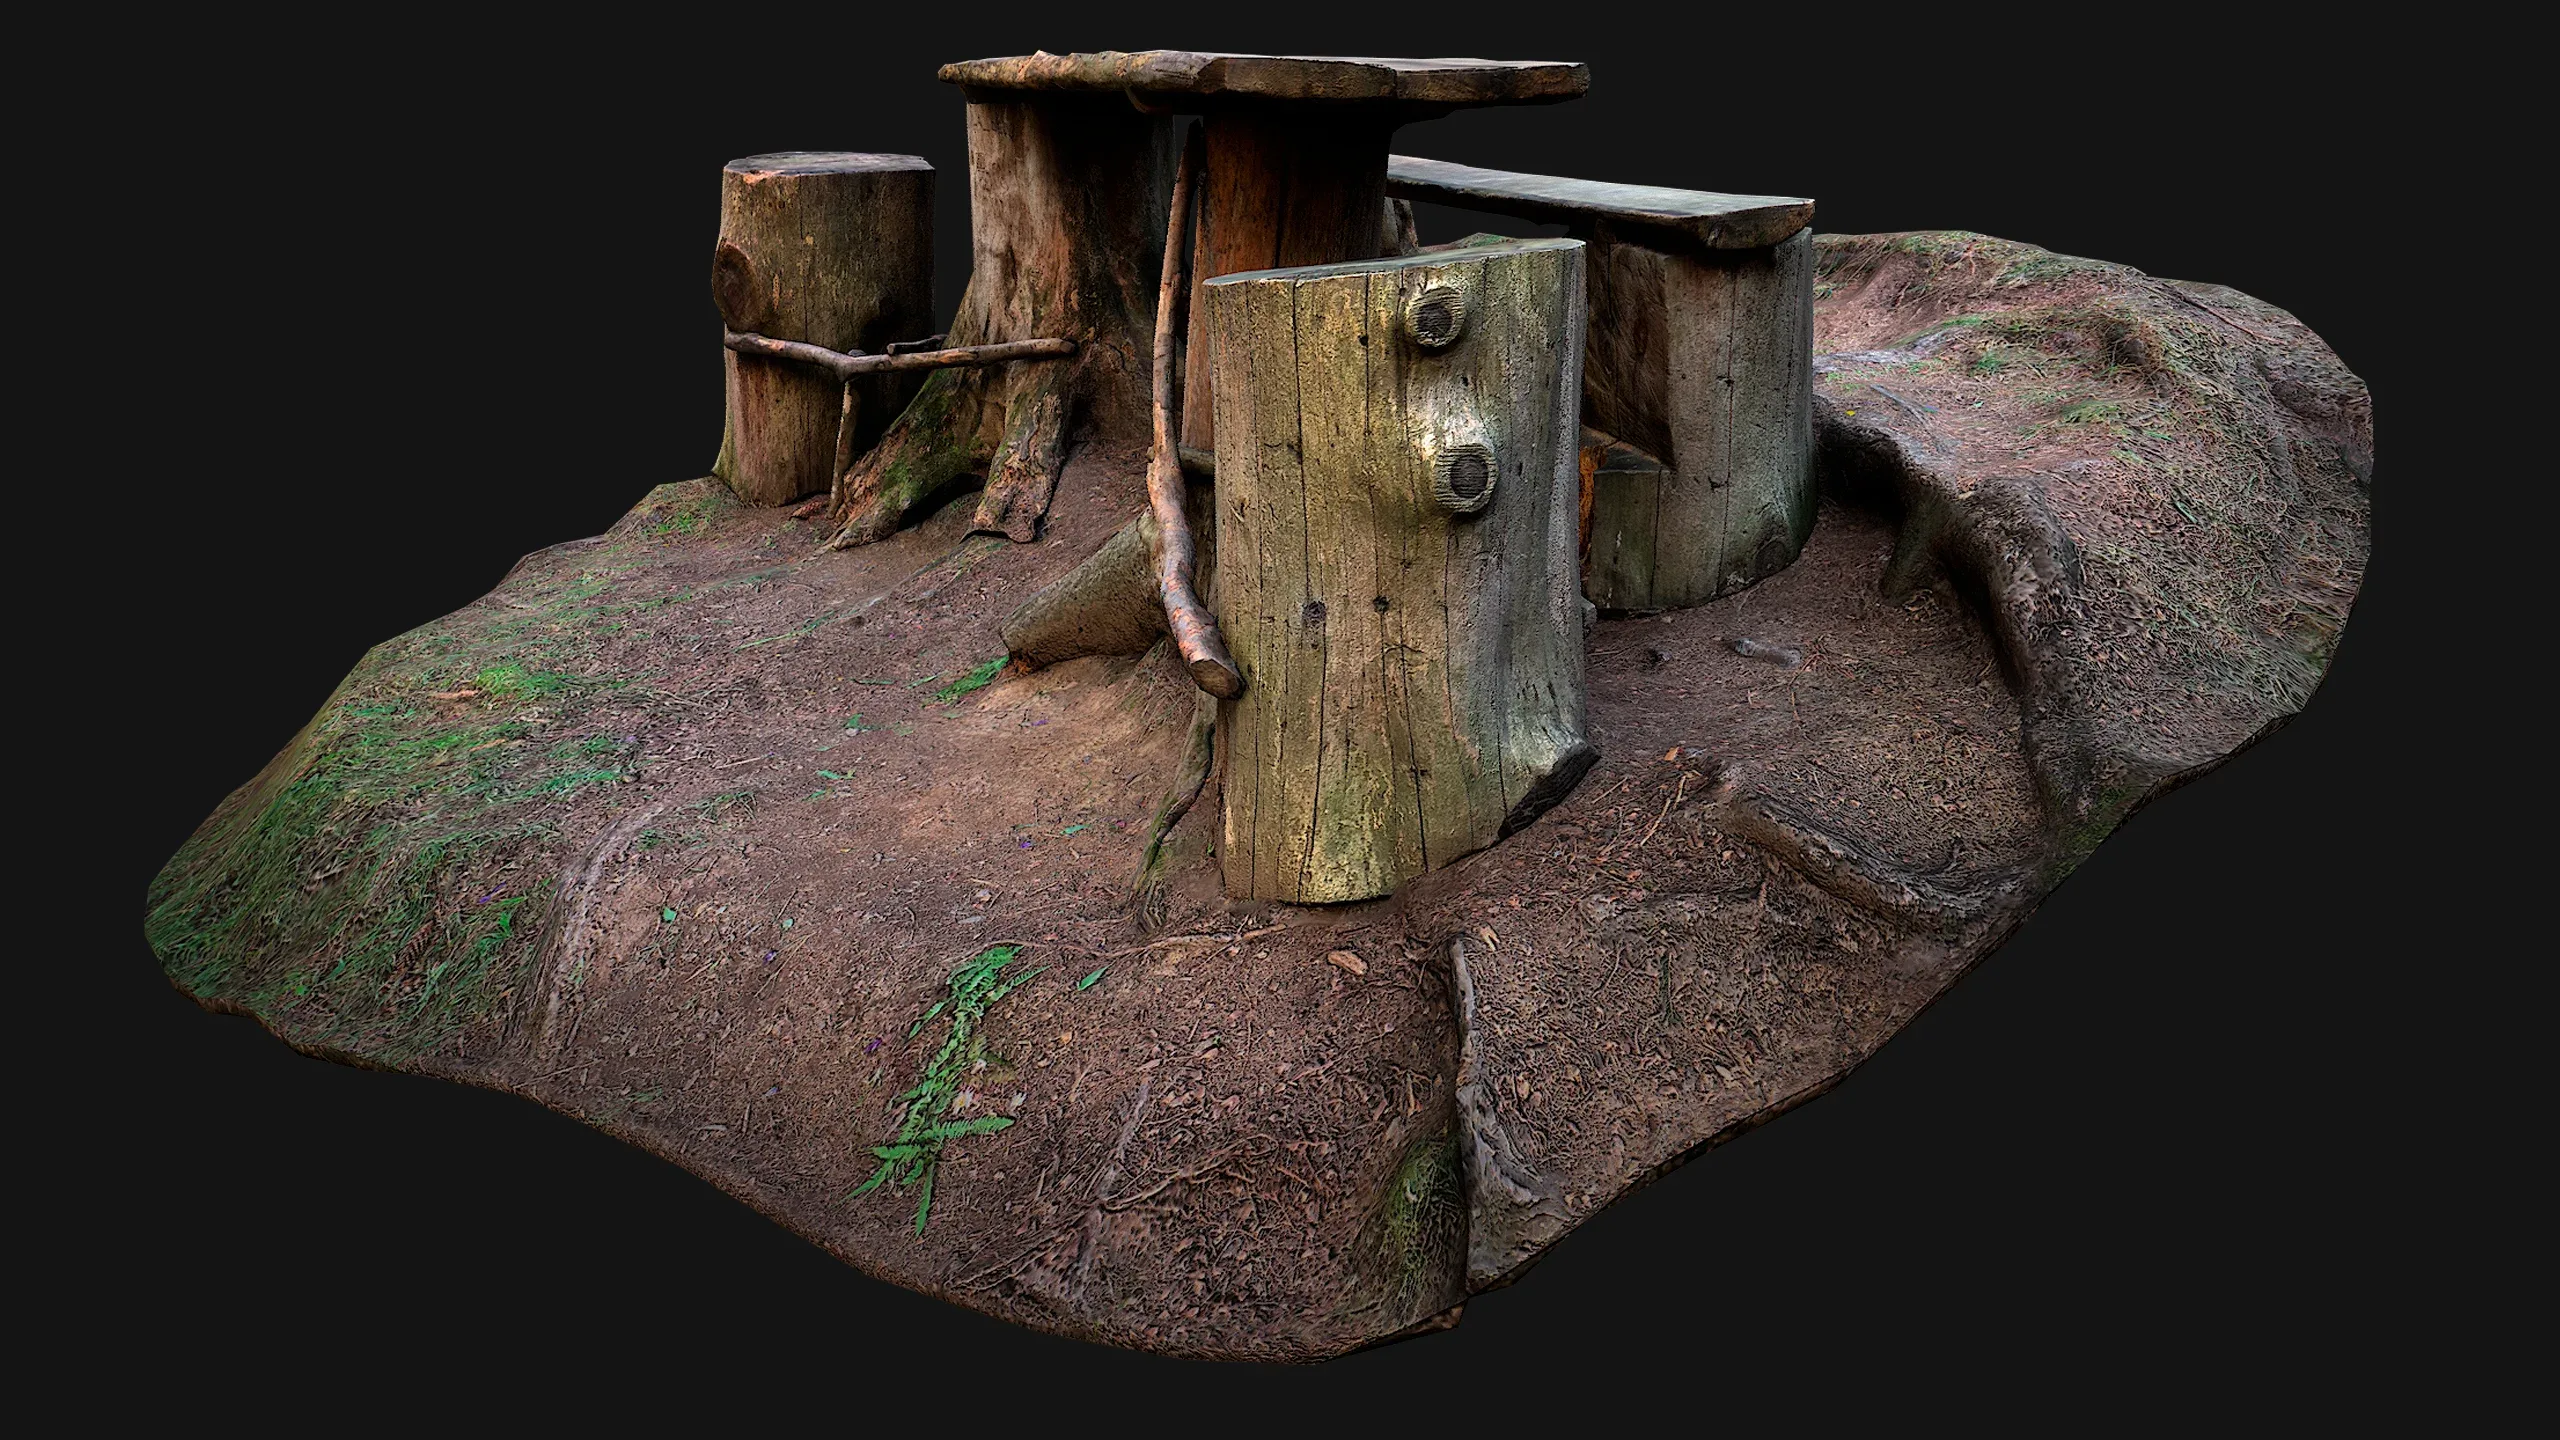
[
  {"x": 510, "y": 681},
  {"x": 371, "y": 890},
  {"x": 1411, "y": 1253}
]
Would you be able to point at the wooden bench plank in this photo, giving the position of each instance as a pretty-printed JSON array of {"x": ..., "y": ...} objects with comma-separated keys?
[{"x": 1705, "y": 218}]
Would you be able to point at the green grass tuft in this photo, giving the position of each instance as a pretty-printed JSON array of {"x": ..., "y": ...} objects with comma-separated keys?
[
  {"x": 977, "y": 679},
  {"x": 511, "y": 681}
]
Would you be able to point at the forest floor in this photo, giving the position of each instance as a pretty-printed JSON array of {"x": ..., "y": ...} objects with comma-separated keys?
[{"x": 759, "y": 856}]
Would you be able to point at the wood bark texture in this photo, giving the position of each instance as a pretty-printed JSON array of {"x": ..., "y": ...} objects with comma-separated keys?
[
  {"x": 1397, "y": 500},
  {"x": 1067, "y": 203},
  {"x": 1702, "y": 360},
  {"x": 1284, "y": 187},
  {"x": 826, "y": 248}
]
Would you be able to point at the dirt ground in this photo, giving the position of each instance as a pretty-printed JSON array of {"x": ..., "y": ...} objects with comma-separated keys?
[{"x": 685, "y": 831}]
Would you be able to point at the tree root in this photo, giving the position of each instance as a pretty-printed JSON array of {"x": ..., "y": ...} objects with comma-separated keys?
[
  {"x": 1514, "y": 1212},
  {"x": 1188, "y": 781},
  {"x": 933, "y": 444},
  {"x": 1024, "y": 470},
  {"x": 1110, "y": 604},
  {"x": 2000, "y": 546},
  {"x": 1105, "y": 606},
  {"x": 1862, "y": 879}
]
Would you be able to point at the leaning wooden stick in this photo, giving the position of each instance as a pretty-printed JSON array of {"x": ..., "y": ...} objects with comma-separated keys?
[
  {"x": 844, "y": 435},
  {"x": 1194, "y": 629}
]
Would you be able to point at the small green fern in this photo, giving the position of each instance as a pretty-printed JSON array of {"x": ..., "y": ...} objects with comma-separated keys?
[{"x": 912, "y": 1157}]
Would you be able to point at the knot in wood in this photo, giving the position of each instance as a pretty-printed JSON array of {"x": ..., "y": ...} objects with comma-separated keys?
[
  {"x": 1462, "y": 477},
  {"x": 1436, "y": 317},
  {"x": 736, "y": 291}
]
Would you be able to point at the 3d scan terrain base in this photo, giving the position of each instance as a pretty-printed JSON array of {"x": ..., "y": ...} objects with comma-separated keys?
[{"x": 687, "y": 830}]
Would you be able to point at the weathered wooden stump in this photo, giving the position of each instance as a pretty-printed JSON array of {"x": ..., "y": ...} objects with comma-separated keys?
[
  {"x": 1698, "y": 373},
  {"x": 1396, "y": 530},
  {"x": 826, "y": 247}
]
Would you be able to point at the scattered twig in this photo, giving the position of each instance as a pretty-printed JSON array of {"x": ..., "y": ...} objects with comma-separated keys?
[
  {"x": 1209, "y": 1166},
  {"x": 2226, "y": 319},
  {"x": 1229, "y": 937},
  {"x": 1676, "y": 792}
]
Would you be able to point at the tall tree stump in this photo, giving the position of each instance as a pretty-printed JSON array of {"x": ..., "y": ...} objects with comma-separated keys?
[
  {"x": 1068, "y": 195},
  {"x": 1698, "y": 372},
  {"x": 1298, "y": 145},
  {"x": 1397, "y": 515},
  {"x": 831, "y": 248}
]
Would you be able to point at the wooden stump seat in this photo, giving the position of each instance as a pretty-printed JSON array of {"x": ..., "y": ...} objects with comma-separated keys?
[{"x": 1697, "y": 374}]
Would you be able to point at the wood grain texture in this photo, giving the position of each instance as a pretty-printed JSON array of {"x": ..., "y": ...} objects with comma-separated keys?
[
  {"x": 1203, "y": 75},
  {"x": 1703, "y": 219},
  {"x": 827, "y": 248},
  {"x": 1414, "y": 676},
  {"x": 1702, "y": 362},
  {"x": 1281, "y": 189}
]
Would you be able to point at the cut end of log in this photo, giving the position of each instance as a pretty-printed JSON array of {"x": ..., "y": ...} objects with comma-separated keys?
[
  {"x": 753, "y": 168},
  {"x": 1218, "y": 676}
]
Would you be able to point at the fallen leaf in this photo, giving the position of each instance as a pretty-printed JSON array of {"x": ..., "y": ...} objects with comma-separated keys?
[
  {"x": 1485, "y": 934},
  {"x": 1347, "y": 961}
]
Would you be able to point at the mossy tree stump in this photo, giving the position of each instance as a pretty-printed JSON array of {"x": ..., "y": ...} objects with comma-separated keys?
[
  {"x": 831, "y": 248},
  {"x": 1397, "y": 517},
  {"x": 1698, "y": 373}
]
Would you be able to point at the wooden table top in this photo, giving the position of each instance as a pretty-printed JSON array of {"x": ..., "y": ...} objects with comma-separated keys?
[{"x": 1176, "y": 75}]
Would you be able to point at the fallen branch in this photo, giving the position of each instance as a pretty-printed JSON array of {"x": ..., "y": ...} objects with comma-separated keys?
[
  {"x": 1194, "y": 629},
  {"x": 845, "y": 366}
]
